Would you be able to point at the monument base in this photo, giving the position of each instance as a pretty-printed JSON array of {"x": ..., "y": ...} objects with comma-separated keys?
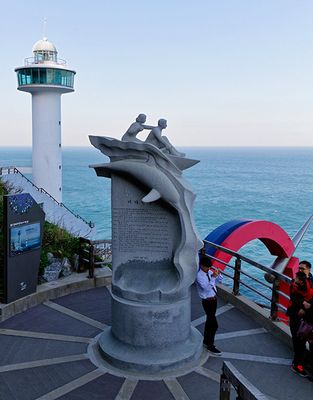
[
  {"x": 150, "y": 337},
  {"x": 151, "y": 359}
]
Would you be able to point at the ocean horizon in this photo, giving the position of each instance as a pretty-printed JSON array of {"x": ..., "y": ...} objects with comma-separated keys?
[{"x": 263, "y": 183}]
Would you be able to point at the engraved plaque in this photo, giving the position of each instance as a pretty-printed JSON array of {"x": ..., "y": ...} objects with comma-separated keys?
[{"x": 141, "y": 231}]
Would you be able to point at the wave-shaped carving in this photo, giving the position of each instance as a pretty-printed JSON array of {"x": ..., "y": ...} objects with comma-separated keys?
[{"x": 162, "y": 174}]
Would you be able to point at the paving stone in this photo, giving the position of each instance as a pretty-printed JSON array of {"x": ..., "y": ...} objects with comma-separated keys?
[
  {"x": 44, "y": 319},
  {"x": 198, "y": 387},
  {"x": 105, "y": 387},
  {"x": 214, "y": 363},
  {"x": 262, "y": 344},
  {"x": 94, "y": 303},
  {"x": 29, "y": 384},
  {"x": 235, "y": 320},
  {"x": 19, "y": 349},
  {"x": 152, "y": 390}
]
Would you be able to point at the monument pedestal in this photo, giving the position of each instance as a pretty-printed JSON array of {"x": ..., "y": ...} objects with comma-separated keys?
[{"x": 150, "y": 338}]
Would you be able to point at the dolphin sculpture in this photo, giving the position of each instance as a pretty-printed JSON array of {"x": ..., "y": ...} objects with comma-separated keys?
[{"x": 161, "y": 174}]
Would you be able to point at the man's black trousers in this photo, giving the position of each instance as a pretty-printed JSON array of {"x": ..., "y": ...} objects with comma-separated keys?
[{"x": 211, "y": 325}]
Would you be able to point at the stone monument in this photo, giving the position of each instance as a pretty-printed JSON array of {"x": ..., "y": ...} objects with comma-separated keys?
[{"x": 155, "y": 253}]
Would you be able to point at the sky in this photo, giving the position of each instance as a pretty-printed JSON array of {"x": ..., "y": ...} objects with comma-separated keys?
[{"x": 222, "y": 72}]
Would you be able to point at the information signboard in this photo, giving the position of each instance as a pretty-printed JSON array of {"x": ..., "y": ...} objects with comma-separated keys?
[{"x": 23, "y": 230}]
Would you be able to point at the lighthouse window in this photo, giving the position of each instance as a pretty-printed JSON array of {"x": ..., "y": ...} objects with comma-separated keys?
[
  {"x": 46, "y": 76},
  {"x": 50, "y": 76},
  {"x": 38, "y": 57},
  {"x": 24, "y": 77},
  {"x": 45, "y": 55},
  {"x": 64, "y": 80},
  {"x": 35, "y": 75},
  {"x": 43, "y": 75},
  {"x": 58, "y": 77},
  {"x": 28, "y": 77}
]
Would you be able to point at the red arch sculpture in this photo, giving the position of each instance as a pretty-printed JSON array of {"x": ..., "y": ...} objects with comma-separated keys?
[
  {"x": 272, "y": 235},
  {"x": 274, "y": 238}
]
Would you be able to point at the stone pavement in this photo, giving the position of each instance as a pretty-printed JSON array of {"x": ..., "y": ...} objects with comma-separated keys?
[{"x": 48, "y": 352}]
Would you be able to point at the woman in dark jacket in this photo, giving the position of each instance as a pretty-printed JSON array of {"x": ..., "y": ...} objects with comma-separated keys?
[{"x": 300, "y": 292}]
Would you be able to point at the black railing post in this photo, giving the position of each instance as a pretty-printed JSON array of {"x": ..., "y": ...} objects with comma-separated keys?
[
  {"x": 274, "y": 301},
  {"x": 224, "y": 388},
  {"x": 237, "y": 276},
  {"x": 80, "y": 255},
  {"x": 91, "y": 261}
]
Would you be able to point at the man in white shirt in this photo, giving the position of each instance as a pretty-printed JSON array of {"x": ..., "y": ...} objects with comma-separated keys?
[{"x": 205, "y": 282}]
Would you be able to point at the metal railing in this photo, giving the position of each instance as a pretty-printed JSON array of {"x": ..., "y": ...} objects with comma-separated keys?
[
  {"x": 273, "y": 299},
  {"x": 245, "y": 390},
  {"x": 14, "y": 170},
  {"x": 94, "y": 253},
  {"x": 35, "y": 60}
]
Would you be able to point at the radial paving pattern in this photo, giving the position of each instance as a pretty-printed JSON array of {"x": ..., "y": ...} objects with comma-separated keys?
[{"x": 46, "y": 353}]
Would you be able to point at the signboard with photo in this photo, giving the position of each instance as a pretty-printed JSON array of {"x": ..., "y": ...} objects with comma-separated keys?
[{"x": 23, "y": 229}]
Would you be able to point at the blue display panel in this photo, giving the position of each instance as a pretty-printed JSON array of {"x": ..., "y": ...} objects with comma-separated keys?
[{"x": 24, "y": 238}]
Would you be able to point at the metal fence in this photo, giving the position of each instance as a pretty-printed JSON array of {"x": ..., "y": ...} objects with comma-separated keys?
[
  {"x": 94, "y": 253},
  {"x": 231, "y": 377},
  {"x": 236, "y": 276},
  {"x": 14, "y": 170}
]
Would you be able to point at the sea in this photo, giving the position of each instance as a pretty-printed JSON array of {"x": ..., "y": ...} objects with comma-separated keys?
[{"x": 258, "y": 183}]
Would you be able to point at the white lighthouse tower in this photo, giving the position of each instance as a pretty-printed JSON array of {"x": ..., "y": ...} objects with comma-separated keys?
[{"x": 46, "y": 77}]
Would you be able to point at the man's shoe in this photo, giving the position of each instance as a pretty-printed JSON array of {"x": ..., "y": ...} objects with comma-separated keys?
[
  {"x": 214, "y": 350},
  {"x": 298, "y": 369}
]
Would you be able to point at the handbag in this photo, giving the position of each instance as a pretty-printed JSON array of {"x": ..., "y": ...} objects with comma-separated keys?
[{"x": 305, "y": 331}]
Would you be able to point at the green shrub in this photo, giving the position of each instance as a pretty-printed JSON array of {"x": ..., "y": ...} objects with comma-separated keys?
[{"x": 58, "y": 242}]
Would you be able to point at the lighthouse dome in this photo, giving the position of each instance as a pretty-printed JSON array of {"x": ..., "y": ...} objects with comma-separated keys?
[
  {"x": 44, "y": 45},
  {"x": 45, "y": 52}
]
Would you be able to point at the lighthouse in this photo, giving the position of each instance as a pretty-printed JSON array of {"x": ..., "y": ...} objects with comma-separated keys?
[{"x": 46, "y": 77}]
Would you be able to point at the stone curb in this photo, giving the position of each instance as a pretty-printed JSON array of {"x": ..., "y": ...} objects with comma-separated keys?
[{"x": 52, "y": 290}]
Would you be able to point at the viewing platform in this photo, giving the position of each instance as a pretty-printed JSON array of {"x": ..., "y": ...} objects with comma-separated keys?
[{"x": 51, "y": 347}]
